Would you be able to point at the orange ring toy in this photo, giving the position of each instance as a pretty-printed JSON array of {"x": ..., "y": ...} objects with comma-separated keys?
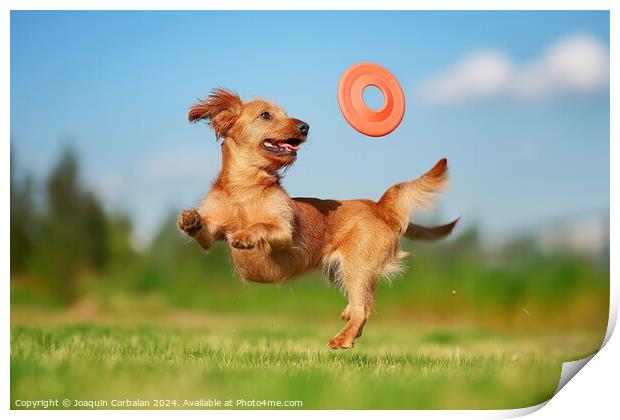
[{"x": 351, "y": 100}]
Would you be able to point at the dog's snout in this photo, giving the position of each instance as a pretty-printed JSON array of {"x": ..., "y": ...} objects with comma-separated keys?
[{"x": 302, "y": 127}]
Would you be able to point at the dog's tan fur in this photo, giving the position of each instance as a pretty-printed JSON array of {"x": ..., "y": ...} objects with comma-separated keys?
[{"x": 273, "y": 237}]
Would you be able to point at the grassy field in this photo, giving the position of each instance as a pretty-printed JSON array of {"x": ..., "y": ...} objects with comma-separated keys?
[
  {"x": 188, "y": 356},
  {"x": 460, "y": 329}
]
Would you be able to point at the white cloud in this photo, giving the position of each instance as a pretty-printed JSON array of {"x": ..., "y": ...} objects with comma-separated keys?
[
  {"x": 480, "y": 75},
  {"x": 577, "y": 64}
]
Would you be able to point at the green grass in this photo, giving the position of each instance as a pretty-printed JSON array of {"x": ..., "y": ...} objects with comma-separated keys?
[
  {"x": 189, "y": 356},
  {"x": 458, "y": 330}
]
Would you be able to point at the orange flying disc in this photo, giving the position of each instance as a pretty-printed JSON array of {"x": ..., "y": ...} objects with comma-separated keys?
[{"x": 351, "y": 100}]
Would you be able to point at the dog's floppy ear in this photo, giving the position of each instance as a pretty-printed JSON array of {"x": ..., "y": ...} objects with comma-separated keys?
[{"x": 221, "y": 108}]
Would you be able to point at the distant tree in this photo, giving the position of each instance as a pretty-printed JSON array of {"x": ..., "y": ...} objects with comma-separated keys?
[
  {"x": 23, "y": 221},
  {"x": 74, "y": 236},
  {"x": 94, "y": 232},
  {"x": 59, "y": 250},
  {"x": 63, "y": 194}
]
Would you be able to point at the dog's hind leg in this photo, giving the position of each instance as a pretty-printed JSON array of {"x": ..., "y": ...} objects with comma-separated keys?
[
  {"x": 361, "y": 294},
  {"x": 356, "y": 265}
]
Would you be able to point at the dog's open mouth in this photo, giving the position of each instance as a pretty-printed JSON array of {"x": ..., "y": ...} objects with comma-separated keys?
[{"x": 283, "y": 147}]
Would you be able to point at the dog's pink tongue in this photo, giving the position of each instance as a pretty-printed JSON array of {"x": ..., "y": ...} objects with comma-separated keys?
[{"x": 290, "y": 147}]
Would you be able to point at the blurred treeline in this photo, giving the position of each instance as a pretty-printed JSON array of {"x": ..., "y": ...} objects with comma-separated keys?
[
  {"x": 63, "y": 235},
  {"x": 67, "y": 250}
]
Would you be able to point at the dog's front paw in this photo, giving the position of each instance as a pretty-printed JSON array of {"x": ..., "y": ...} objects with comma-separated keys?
[
  {"x": 190, "y": 222},
  {"x": 243, "y": 240}
]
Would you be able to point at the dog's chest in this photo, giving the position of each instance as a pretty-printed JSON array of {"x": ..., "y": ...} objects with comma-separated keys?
[
  {"x": 243, "y": 214},
  {"x": 242, "y": 211}
]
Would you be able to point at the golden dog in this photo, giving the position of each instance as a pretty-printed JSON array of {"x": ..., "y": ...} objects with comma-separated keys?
[{"x": 273, "y": 237}]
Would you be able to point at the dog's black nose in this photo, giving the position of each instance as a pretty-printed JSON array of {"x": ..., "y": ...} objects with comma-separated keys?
[{"x": 302, "y": 127}]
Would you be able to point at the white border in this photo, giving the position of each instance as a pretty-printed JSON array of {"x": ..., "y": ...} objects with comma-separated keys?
[{"x": 593, "y": 393}]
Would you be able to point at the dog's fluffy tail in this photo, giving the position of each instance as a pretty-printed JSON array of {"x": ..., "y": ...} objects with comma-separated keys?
[{"x": 401, "y": 199}]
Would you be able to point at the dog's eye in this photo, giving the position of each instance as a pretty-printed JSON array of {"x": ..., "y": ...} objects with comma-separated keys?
[{"x": 265, "y": 116}]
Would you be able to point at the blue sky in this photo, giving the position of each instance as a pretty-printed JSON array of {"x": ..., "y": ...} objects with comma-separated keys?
[{"x": 117, "y": 85}]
